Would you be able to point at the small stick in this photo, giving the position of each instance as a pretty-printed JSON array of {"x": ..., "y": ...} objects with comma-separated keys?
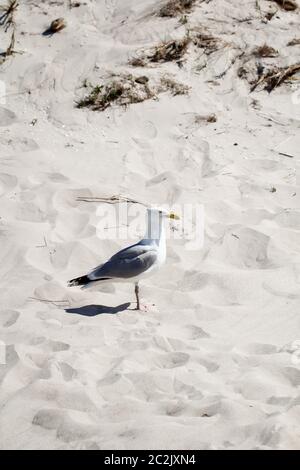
[
  {"x": 286, "y": 154},
  {"x": 10, "y": 50},
  {"x": 108, "y": 200},
  {"x": 7, "y": 19},
  {"x": 57, "y": 303}
]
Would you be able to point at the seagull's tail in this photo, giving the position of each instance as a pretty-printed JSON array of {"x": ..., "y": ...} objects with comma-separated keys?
[{"x": 84, "y": 281}]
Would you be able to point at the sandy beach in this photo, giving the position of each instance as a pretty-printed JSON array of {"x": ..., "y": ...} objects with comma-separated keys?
[{"x": 213, "y": 362}]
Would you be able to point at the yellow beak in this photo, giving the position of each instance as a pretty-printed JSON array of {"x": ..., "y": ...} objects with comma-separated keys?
[{"x": 173, "y": 216}]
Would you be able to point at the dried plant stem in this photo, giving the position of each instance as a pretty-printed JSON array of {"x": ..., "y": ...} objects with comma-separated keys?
[
  {"x": 7, "y": 18},
  {"x": 274, "y": 78},
  {"x": 116, "y": 199}
]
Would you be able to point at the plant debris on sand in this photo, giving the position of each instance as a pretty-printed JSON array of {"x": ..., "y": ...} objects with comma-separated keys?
[
  {"x": 207, "y": 42},
  {"x": 10, "y": 49},
  {"x": 176, "y": 7},
  {"x": 122, "y": 90},
  {"x": 199, "y": 119},
  {"x": 175, "y": 49},
  {"x": 294, "y": 42},
  {"x": 274, "y": 77},
  {"x": 7, "y": 17},
  {"x": 176, "y": 88},
  {"x": 265, "y": 51},
  {"x": 288, "y": 5},
  {"x": 169, "y": 51}
]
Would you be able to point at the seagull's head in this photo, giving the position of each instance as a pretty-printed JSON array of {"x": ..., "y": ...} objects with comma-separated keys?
[{"x": 162, "y": 213}]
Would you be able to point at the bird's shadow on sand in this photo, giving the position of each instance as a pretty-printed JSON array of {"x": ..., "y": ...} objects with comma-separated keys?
[{"x": 94, "y": 310}]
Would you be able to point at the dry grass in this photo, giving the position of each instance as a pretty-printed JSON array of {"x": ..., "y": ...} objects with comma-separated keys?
[
  {"x": 174, "y": 87},
  {"x": 210, "y": 118},
  {"x": 7, "y": 16},
  {"x": 173, "y": 50},
  {"x": 170, "y": 51},
  {"x": 207, "y": 42},
  {"x": 265, "y": 51},
  {"x": 138, "y": 62},
  {"x": 275, "y": 76},
  {"x": 121, "y": 90},
  {"x": 124, "y": 90},
  {"x": 175, "y": 8},
  {"x": 294, "y": 42},
  {"x": 288, "y": 5}
]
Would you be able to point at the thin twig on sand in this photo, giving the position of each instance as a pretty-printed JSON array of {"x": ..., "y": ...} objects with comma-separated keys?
[
  {"x": 116, "y": 199},
  {"x": 56, "y": 303},
  {"x": 7, "y": 17},
  {"x": 286, "y": 155},
  {"x": 11, "y": 48}
]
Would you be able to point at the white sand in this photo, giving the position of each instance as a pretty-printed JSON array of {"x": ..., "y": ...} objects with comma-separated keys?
[{"x": 213, "y": 364}]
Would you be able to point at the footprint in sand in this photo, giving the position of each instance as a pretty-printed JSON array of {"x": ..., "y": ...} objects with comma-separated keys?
[
  {"x": 149, "y": 129},
  {"x": 190, "y": 391},
  {"x": 258, "y": 349},
  {"x": 57, "y": 178},
  {"x": 173, "y": 359},
  {"x": 20, "y": 144},
  {"x": 54, "y": 369},
  {"x": 11, "y": 358},
  {"x": 289, "y": 219},
  {"x": 145, "y": 131},
  {"x": 8, "y": 318},
  {"x": 7, "y": 117},
  {"x": 248, "y": 249},
  {"x": 70, "y": 430},
  {"x": 48, "y": 419},
  {"x": 49, "y": 345},
  {"x": 194, "y": 280},
  {"x": 209, "y": 365},
  {"x": 279, "y": 401},
  {"x": 292, "y": 374},
  {"x": 271, "y": 435},
  {"x": 196, "y": 332},
  {"x": 207, "y": 313},
  {"x": 7, "y": 182},
  {"x": 73, "y": 225},
  {"x": 57, "y": 346},
  {"x": 67, "y": 429},
  {"x": 29, "y": 212}
]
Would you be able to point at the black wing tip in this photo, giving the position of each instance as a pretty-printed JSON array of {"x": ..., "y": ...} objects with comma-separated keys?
[{"x": 79, "y": 281}]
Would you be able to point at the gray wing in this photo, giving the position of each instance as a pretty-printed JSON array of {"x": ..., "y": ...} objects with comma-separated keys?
[{"x": 127, "y": 263}]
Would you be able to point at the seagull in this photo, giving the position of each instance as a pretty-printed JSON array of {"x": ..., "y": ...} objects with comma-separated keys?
[{"x": 135, "y": 262}]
